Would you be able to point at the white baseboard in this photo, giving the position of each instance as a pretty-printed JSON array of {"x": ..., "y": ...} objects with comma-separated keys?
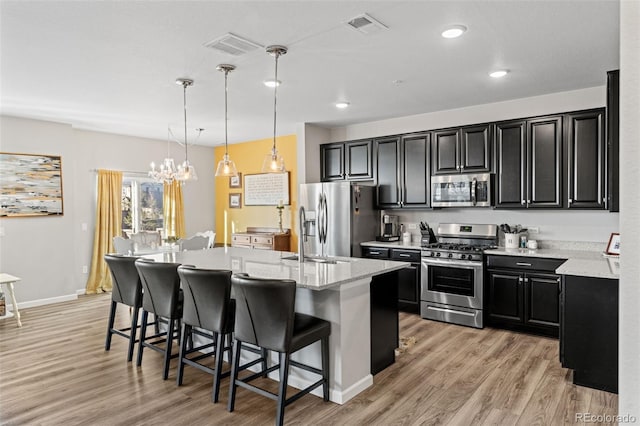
[
  {"x": 42, "y": 302},
  {"x": 81, "y": 292}
]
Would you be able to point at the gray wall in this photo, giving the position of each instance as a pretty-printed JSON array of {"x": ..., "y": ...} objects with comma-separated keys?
[
  {"x": 48, "y": 253},
  {"x": 554, "y": 225}
]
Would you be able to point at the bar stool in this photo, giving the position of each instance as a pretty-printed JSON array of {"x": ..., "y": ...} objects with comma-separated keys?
[
  {"x": 162, "y": 297},
  {"x": 127, "y": 290},
  {"x": 265, "y": 317},
  {"x": 207, "y": 306}
]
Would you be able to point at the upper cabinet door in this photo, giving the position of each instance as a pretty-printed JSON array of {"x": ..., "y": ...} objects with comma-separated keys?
[
  {"x": 332, "y": 162},
  {"x": 445, "y": 153},
  {"x": 415, "y": 171},
  {"x": 358, "y": 164},
  {"x": 475, "y": 149},
  {"x": 544, "y": 152},
  {"x": 387, "y": 155},
  {"x": 587, "y": 160},
  {"x": 511, "y": 169}
]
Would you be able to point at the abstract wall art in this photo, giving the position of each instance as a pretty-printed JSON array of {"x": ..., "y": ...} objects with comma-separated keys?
[{"x": 30, "y": 185}]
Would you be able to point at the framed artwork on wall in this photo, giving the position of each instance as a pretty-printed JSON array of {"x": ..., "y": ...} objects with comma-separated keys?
[
  {"x": 235, "y": 181},
  {"x": 235, "y": 201},
  {"x": 613, "y": 247},
  {"x": 30, "y": 185}
]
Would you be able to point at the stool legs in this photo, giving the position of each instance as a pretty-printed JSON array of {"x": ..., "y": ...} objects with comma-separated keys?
[
  {"x": 324, "y": 344},
  {"x": 234, "y": 374},
  {"x": 134, "y": 329},
  {"x": 143, "y": 334},
  {"x": 282, "y": 388},
  {"x": 112, "y": 317},
  {"x": 218, "y": 374},
  {"x": 186, "y": 331}
]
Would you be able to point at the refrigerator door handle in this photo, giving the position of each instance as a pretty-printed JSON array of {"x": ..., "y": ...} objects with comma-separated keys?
[
  {"x": 325, "y": 216},
  {"x": 319, "y": 219}
]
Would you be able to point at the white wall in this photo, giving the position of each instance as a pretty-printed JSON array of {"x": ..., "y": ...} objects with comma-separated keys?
[
  {"x": 310, "y": 137},
  {"x": 554, "y": 224},
  {"x": 629, "y": 320},
  {"x": 48, "y": 253}
]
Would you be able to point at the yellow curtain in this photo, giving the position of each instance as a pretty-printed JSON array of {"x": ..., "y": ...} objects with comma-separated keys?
[
  {"x": 173, "y": 209},
  {"x": 108, "y": 225}
]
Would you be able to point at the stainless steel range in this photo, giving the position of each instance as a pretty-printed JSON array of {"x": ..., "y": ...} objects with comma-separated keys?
[{"x": 452, "y": 273}]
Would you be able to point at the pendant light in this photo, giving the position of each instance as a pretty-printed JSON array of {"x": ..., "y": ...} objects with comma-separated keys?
[
  {"x": 273, "y": 162},
  {"x": 186, "y": 171},
  {"x": 226, "y": 167},
  {"x": 167, "y": 170}
]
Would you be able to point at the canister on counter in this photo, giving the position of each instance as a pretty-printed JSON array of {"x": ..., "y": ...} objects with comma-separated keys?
[{"x": 523, "y": 241}]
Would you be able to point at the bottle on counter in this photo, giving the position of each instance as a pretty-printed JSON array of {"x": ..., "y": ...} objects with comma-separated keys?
[{"x": 523, "y": 241}]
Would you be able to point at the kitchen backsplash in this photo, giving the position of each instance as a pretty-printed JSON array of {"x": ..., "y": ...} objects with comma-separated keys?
[{"x": 573, "y": 226}]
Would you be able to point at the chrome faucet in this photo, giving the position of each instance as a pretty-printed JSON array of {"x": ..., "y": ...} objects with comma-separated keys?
[{"x": 302, "y": 234}]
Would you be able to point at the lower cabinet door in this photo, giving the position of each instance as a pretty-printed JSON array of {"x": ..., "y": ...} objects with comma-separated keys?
[
  {"x": 505, "y": 298},
  {"x": 408, "y": 285},
  {"x": 542, "y": 308}
]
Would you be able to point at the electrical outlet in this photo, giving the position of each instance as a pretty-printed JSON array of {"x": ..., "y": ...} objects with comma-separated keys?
[
  {"x": 533, "y": 229},
  {"x": 1, "y": 231},
  {"x": 84, "y": 226},
  {"x": 85, "y": 269},
  {"x": 411, "y": 226}
]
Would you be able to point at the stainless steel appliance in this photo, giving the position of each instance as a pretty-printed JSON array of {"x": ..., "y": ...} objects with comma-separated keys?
[
  {"x": 452, "y": 280},
  {"x": 339, "y": 216},
  {"x": 389, "y": 228},
  {"x": 461, "y": 190}
]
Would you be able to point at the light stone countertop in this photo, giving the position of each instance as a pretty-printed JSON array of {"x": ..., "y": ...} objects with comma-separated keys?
[
  {"x": 271, "y": 264},
  {"x": 582, "y": 263},
  {"x": 413, "y": 245}
]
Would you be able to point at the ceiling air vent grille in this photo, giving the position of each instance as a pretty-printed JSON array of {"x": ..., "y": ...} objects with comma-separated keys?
[
  {"x": 232, "y": 44},
  {"x": 365, "y": 24}
]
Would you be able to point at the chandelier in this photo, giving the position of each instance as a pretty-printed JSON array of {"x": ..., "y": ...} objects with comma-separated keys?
[
  {"x": 273, "y": 162},
  {"x": 168, "y": 172},
  {"x": 226, "y": 167}
]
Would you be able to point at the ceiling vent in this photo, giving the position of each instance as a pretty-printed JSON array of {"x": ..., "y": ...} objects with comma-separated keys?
[
  {"x": 233, "y": 45},
  {"x": 365, "y": 24}
]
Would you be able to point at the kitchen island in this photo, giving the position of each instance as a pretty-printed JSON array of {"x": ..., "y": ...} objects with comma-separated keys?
[{"x": 338, "y": 292}]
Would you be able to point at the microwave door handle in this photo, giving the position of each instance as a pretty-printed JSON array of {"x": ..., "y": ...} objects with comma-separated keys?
[{"x": 474, "y": 184}]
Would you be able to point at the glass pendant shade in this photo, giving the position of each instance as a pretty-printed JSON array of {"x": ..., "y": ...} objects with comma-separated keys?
[
  {"x": 273, "y": 162},
  {"x": 186, "y": 172},
  {"x": 226, "y": 167}
]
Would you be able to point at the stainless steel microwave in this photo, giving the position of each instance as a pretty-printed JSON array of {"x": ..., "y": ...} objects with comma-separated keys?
[{"x": 461, "y": 190}]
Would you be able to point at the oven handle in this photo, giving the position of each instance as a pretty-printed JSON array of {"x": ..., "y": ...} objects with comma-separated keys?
[
  {"x": 469, "y": 314},
  {"x": 453, "y": 263}
]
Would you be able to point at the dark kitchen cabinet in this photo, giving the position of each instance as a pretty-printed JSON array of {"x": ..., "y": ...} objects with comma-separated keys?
[
  {"x": 462, "y": 150},
  {"x": 408, "y": 278},
  {"x": 589, "y": 331},
  {"x": 613, "y": 141},
  {"x": 586, "y": 155},
  {"x": 523, "y": 294},
  {"x": 529, "y": 163},
  {"x": 384, "y": 319},
  {"x": 403, "y": 172},
  {"x": 346, "y": 161}
]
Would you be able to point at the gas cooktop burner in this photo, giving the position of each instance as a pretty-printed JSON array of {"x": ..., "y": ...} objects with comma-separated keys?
[{"x": 459, "y": 247}]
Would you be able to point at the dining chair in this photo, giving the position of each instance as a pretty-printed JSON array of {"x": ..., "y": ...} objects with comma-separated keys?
[
  {"x": 123, "y": 245},
  {"x": 210, "y": 235},
  {"x": 195, "y": 242},
  {"x": 145, "y": 239}
]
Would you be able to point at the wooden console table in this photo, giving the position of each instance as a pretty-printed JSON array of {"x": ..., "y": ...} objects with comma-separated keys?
[
  {"x": 262, "y": 238},
  {"x": 8, "y": 280}
]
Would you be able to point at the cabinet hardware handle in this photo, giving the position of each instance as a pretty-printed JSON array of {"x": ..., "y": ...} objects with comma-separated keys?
[
  {"x": 570, "y": 200},
  {"x": 528, "y": 201},
  {"x": 526, "y": 280},
  {"x": 374, "y": 252},
  {"x": 520, "y": 280},
  {"x": 523, "y": 264},
  {"x": 604, "y": 199},
  {"x": 523, "y": 202},
  {"x": 404, "y": 255}
]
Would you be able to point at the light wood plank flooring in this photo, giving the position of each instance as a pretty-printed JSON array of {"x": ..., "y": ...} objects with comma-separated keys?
[{"x": 54, "y": 370}]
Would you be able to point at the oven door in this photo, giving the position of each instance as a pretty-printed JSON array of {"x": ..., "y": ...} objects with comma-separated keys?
[{"x": 452, "y": 282}]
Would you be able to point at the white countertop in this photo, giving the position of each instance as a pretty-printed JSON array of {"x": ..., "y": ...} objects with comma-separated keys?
[
  {"x": 270, "y": 264},
  {"x": 582, "y": 263}
]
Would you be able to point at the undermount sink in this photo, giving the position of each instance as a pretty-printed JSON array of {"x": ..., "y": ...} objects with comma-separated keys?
[{"x": 316, "y": 259}]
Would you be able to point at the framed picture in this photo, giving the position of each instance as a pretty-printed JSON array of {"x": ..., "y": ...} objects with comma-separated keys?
[
  {"x": 235, "y": 181},
  {"x": 30, "y": 185},
  {"x": 614, "y": 244},
  {"x": 235, "y": 201}
]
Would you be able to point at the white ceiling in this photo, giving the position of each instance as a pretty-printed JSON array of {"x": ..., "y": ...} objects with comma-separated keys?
[{"x": 110, "y": 65}]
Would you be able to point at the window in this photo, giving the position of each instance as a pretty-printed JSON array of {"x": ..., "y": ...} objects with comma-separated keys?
[{"x": 141, "y": 205}]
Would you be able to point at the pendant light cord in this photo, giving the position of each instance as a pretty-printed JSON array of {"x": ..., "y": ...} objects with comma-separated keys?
[
  {"x": 226, "y": 147},
  {"x": 275, "y": 102},
  {"x": 184, "y": 86}
]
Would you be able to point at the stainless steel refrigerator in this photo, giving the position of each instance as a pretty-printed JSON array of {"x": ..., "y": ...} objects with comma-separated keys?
[{"x": 340, "y": 216}]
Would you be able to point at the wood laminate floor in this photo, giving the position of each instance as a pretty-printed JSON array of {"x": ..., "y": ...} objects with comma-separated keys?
[{"x": 54, "y": 371}]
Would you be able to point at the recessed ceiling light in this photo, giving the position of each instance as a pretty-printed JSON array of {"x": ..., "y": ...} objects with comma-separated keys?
[
  {"x": 342, "y": 105},
  {"x": 454, "y": 31},
  {"x": 272, "y": 83},
  {"x": 498, "y": 73}
]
